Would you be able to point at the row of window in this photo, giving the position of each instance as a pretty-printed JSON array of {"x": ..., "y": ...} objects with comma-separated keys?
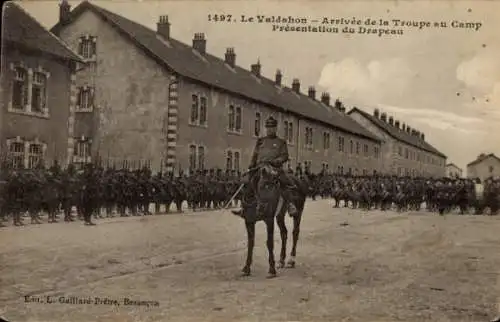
[
  {"x": 413, "y": 155},
  {"x": 196, "y": 157},
  {"x": 25, "y": 154},
  {"x": 309, "y": 137},
  {"x": 82, "y": 149},
  {"x": 325, "y": 168},
  {"x": 408, "y": 172},
  {"x": 198, "y": 111},
  {"x": 199, "y": 117},
  {"x": 85, "y": 98},
  {"x": 288, "y": 131},
  {"x": 29, "y": 90},
  {"x": 232, "y": 160},
  {"x": 355, "y": 171},
  {"x": 87, "y": 46},
  {"x": 355, "y": 148},
  {"x": 234, "y": 119}
]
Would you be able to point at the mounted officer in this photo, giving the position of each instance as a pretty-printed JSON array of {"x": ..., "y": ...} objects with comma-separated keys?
[{"x": 273, "y": 151}]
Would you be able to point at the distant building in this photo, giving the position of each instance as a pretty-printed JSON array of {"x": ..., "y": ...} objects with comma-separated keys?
[
  {"x": 37, "y": 90},
  {"x": 146, "y": 96},
  {"x": 453, "y": 171},
  {"x": 404, "y": 150},
  {"x": 485, "y": 166}
]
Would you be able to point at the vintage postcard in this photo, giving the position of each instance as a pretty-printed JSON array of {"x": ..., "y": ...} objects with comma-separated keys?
[{"x": 250, "y": 161}]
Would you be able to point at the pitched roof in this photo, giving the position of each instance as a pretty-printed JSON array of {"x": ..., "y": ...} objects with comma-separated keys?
[
  {"x": 398, "y": 134},
  {"x": 213, "y": 71},
  {"x": 22, "y": 29},
  {"x": 453, "y": 165},
  {"x": 482, "y": 157}
]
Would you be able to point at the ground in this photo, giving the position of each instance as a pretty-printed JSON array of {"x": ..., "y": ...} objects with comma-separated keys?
[{"x": 351, "y": 266}]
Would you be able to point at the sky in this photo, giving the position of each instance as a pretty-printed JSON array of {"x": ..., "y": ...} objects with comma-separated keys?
[{"x": 442, "y": 81}]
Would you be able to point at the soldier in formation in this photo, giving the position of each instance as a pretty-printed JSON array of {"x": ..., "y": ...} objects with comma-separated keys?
[
  {"x": 95, "y": 192},
  {"x": 442, "y": 195}
]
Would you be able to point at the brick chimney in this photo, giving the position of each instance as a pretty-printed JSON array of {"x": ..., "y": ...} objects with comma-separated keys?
[
  {"x": 384, "y": 117},
  {"x": 255, "y": 68},
  {"x": 278, "y": 78},
  {"x": 376, "y": 113},
  {"x": 64, "y": 12},
  {"x": 296, "y": 85},
  {"x": 312, "y": 92},
  {"x": 342, "y": 108},
  {"x": 325, "y": 98},
  {"x": 338, "y": 104},
  {"x": 396, "y": 124},
  {"x": 408, "y": 129},
  {"x": 230, "y": 58},
  {"x": 417, "y": 133},
  {"x": 403, "y": 127},
  {"x": 422, "y": 136},
  {"x": 199, "y": 42},
  {"x": 391, "y": 120},
  {"x": 163, "y": 27}
]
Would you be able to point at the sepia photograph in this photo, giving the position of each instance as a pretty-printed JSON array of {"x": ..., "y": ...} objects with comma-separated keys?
[{"x": 250, "y": 160}]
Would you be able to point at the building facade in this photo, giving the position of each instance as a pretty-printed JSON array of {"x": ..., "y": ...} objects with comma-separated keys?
[
  {"x": 404, "y": 150},
  {"x": 176, "y": 106},
  {"x": 37, "y": 83},
  {"x": 453, "y": 171},
  {"x": 485, "y": 166}
]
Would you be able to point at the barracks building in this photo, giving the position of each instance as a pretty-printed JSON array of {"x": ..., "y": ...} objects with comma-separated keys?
[
  {"x": 404, "y": 149},
  {"x": 38, "y": 75},
  {"x": 146, "y": 95},
  {"x": 485, "y": 166},
  {"x": 146, "y": 98},
  {"x": 453, "y": 171}
]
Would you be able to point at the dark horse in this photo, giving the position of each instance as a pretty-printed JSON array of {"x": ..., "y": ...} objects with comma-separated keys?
[{"x": 270, "y": 204}]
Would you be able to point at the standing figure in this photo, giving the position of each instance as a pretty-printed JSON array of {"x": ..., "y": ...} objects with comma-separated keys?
[{"x": 89, "y": 197}]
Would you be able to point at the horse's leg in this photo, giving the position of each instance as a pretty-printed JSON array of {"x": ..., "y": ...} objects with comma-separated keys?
[
  {"x": 280, "y": 219},
  {"x": 270, "y": 246},
  {"x": 250, "y": 244},
  {"x": 295, "y": 235}
]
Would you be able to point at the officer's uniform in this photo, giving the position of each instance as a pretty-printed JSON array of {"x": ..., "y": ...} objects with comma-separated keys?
[{"x": 271, "y": 150}]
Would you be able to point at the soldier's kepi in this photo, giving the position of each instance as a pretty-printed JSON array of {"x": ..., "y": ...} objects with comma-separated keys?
[{"x": 270, "y": 150}]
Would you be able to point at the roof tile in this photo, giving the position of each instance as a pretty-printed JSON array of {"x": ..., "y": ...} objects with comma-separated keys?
[
  {"x": 21, "y": 28},
  {"x": 482, "y": 157},
  {"x": 399, "y": 134}
]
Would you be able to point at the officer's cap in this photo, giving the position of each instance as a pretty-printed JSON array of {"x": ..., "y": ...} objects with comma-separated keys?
[{"x": 271, "y": 122}]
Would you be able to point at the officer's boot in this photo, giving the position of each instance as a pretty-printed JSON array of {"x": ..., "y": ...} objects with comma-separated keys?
[
  {"x": 292, "y": 210},
  {"x": 288, "y": 195},
  {"x": 244, "y": 204},
  {"x": 238, "y": 212}
]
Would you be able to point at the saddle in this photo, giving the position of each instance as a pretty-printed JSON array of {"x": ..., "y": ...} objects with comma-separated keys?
[{"x": 269, "y": 170}]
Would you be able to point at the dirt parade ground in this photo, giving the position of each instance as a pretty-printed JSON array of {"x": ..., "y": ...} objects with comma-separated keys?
[{"x": 352, "y": 265}]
